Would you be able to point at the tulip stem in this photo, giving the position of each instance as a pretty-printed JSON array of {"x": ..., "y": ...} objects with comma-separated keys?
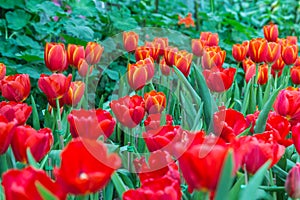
[
  {"x": 275, "y": 81},
  {"x": 59, "y": 128},
  {"x": 272, "y": 183},
  {"x": 86, "y": 86}
]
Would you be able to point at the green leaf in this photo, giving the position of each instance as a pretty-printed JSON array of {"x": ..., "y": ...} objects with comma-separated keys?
[
  {"x": 35, "y": 115},
  {"x": 1, "y": 191},
  {"x": 31, "y": 55},
  {"x": 112, "y": 74},
  {"x": 31, "y": 159},
  {"x": 235, "y": 190},
  {"x": 17, "y": 19},
  {"x": 25, "y": 41},
  {"x": 44, "y": 192},
  {"x": 108, "y": 191},
  {"x": 9, "y": 4},
  {"x": 119, "y": 184},
  {"x": 226, "y": 178},
  {"x": 262, "y": 118},
  {"x": 254, "y": 183}
]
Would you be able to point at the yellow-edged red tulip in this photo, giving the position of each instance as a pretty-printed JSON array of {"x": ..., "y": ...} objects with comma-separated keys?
[
  {"x": 271, "y": 32},
  {"x": 258, "y": 49},
  {"x": 142, "y": 52},
  {"x": 239, "y": 52},
  {"x": 273, "y": 52},
  {"x": 183, "y": 60},
  {"x": 295, "y": 75},
  {"x": 130, "y": 40},
  {"x": 197, "y": 47},
  {"x": 213, "y": 57},
  {"x": 155, "y": 102},
  {"x": 289, "y": 53},
  {"x": 2, "y": 71},
  {"x": 162, "y": 43},
  {"x": 93, "y": 52},
  {"x": 74, "y": 94},
  {"x": 278, "y": 64},
  {"x": 75, "y": 53},
  {"x": 55, "y": 57},
  {"x": 209, "y": 39},
  {"x": 169, "y": 55},
  {"x": 83, "y": 68}
]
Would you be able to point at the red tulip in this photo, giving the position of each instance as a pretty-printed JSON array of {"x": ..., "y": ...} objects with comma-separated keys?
[
  {"x": 162, "y": 43},
  {"x": 169, "y": 55},
  {"x": 140, "y": 73},
  {"x": 91, "y": 123},
  {"x": 163, "y": 137},
  {"x": 271, "y": 32},
  {"x": 74, "y": 94},
  {"x": 129, "y": 111},
  {"x": 219, "y": 80},
  {"x": 292, "y": 40},
  {"x": 84, "y": 68},
  {"x": 246, "y": 45},
  {"x": 263, "y": 74},
  {"x": 278, "y": 65},
  {"x": 239, "y": 52},
  {"x": 130, "y": 40},
  {"x": 75, "y": 53},
  {"x": 164, "y": 68},
  {"x": 155, "y": 102},
  {"x": 195, "y": 161},
  {"x": 273, "y": 52},
  {"x": 54, "y": 86},
  {"x": 16, "y": 87},
  {"x": 55, "y": 57},
  {"x": 86, "y": 166},
  {"x": 292, "y": 184},
  {"x": 296, "y": 137},
  {"x": 258, "y": 49},
  {"x": 297, "y": 62},
  {"x": 183, "y": 61},
  {"x": 287, "y": 104},
  {"x": 6, "y": 133},
  {"x": 22, "y": 184},
  {"x": 153, "y": 121},
  {"x": 213, "y": 57},
  {"x": 39, "y": 142},
  {"x": 17, "y": 112},
  {"x": 2, "y": 71},
  {"x": 142, "y": 53},
  {"x": 93, "y": 53},
  {"x": 154, "y": 49},
  {"x": 289, "y": 53},
  {"x": 197, "y": 47},
  {"x": 295, "y": 74},
  {"x": 209, "y": 39},
  {"x": 229, "y": 123}
]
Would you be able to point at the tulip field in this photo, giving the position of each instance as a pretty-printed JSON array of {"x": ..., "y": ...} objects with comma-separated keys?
[{"x": 149, "y": 100}]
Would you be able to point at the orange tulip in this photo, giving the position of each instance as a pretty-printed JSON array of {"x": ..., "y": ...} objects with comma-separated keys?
[
  {"x": 2, "y": 71},
  {"x": 130, "y": 40},
  {"x": 74, "y": 94},
  {"x": 183, "y": 61},
  {"x": 155, "y": 102},
  {"x": 55, "y": 57},
  {"x": 271, "y": 32},
  {"x": 16, "y": 87},
  {"x": 263, "y": 74},
  {"x": 239, "y": 52},
  {"x": 289, "y": 53},
  {"x": 93, "y": 53},
  {"x": 273, "y": 52},
  {"x": 258, "y": 49},
  {"x": 140, "y": 73},
  {"x": 75, "y": 53},
  {"x": 278, "y": 64},
  {"x": 295, "y": 75},
  {"x": 197, "y": 47}
]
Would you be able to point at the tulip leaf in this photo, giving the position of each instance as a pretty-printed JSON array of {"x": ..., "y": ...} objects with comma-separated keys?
[
  {"x": 1, "y": 191},
  {"x": 234, "y": 192},
  {"x": 226, "y": 178},
  {"x": 44, "y": 192},
  {"x": 108, "y": 191},
  {"x": 254, "y": 183},
  {"x": 35, "y": 115},
  {"x": 119, "y": 184},
  {"x": 31, "y": 159},
  {"x": 246, "y": 98},
  {"x": 262, "y": 118}
]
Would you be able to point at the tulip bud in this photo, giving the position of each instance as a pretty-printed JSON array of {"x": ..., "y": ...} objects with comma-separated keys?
[
  {"x": 258, "y": 49},
  {"x": 197, "y": 47},
  {"x": 141, "y": 53},
  {"x": 164, "y": 68},
  {"x": 209, "y": 39},
  {"x": 75, "y": 53},
  {"x": 213, "y": 57},
  {"x": 262, "y": 74},
  {"x": 55, "y": 57},
  {"x": 292, "y": 183},
  {"x": 170, "y": 55},
  {"x": 292, "y": 40},
  {"x": 155, "y": 102},
  {"x": 163, "y": 43},
  {"x": 130, "y": 40},
  {"x": 93, "y": 53},
  {"x": 239, "y": 52},
  {"x": 273, "y": 52},
  {"x": 2, "y": 71},
  {"x": 183, "y": 61},
  {"x": 278, "y": 64},
  {"x": 271, "y": 32},
  {"x": 83, "y": 68},
  {"x": 289, "y": 53},
  {"x": 295, "y": 75},
  {"x": 154, "y": 49}
]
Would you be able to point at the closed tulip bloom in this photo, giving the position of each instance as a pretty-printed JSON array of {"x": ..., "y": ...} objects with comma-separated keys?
[
  {"x": 22, "y": 184},
  {"x": 239, "y": 52},
  {"x": 169, "y": 55},
  {"x": 154, "y": 49},
  {"x": 74, "y": 94},
  {"x": 297, "y": 62},
  {"x": 140, "y": 73},
  {"x": 289, "y": 53},
  {"x": 155, "y": 102},
  {"x": 164, "y": 68},
  {"x": 209, "y": 39},
  {"x": 2, "y": 71},
  {"x": 129, "y": 111},
  {"x": 183, "y": 61},
  {"x": 295, "y": 74},
  {"x": 287, "y": 104},
  {"x": 84, "y": 69},
  {"x": 162, "y": 44},
  {"x": 292, "y": 184},
  {"x": 75, "y": 53},
  {"x": 130, "y": 40},
  {"x": 278, "y": 65},
  {"x": 91, "y": 123},
  {"x": 258, "y": 49},
  {"x": 93, "y": 53},
  {"x": 296, "y": 137},
  {"x": 153, "y": 121},
  {"x": 141, "y": 53},
  {"x": 213, "y": 57},
  {"x": 86, "y": 167},
  {"x": 229, "y": 123},
  {"x": 292, "y": 40},
  {"x": 219, "y": 80},
  {"x": 39, "y": 143},
  {"x": 54, "y": 86},
  {"x": 271, "y": 32},
  {"x": 55, "y": 57},
  {"x": 262, "y": 74},
  {"x": 16, "y": 87},
  {"x": 6, "y": 133},
  {"x": 273, "y": 54},
  {"x": 17, "y": 112},
  {"x": 197, "y": 47},
  {"x": 246, "y": 45}
]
